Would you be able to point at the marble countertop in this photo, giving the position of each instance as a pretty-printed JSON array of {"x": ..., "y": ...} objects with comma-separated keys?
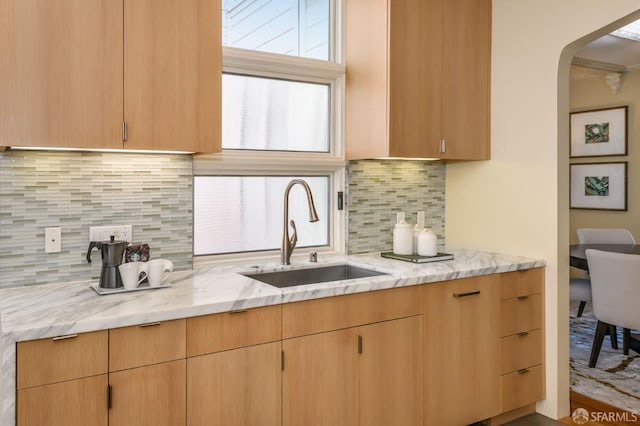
[{"x": 57, "y": 309}]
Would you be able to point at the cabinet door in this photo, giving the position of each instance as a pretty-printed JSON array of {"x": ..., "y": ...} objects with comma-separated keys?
[
  {"x": 391, "y": 373},
  {"x": 462, "y": 350},
  {"x": 415, "y": 68},
  {"x": 237, "y": 387},
  {"x": 172, "y": 74},
  {"x": 72, "y": 403},
  {"x": 61, "y": 71},
  {"x": 466, "y": 78},
  {"x": 149, "y": 396},
  {"x": 320, "y": 379}
]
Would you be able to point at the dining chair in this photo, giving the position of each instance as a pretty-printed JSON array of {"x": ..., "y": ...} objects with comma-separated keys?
[
  {"x": 580, "y": 288},
  {"x": 615, "y": 290}
]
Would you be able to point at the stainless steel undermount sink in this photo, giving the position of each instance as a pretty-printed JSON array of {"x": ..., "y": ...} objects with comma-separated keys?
[{"x": 320, "y": 274}]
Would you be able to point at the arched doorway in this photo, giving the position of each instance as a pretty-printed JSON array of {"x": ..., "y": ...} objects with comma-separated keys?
[{"x": 594, "y": 86}]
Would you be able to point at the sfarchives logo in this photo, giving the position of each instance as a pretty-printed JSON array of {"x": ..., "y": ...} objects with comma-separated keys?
[{"x": 581, "y": 416}]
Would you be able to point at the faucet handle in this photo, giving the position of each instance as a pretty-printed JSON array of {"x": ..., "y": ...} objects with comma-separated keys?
[{"x": 294, "y": 237}]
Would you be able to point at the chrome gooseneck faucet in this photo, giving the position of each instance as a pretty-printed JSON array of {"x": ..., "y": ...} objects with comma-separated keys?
[{"x": 289, "y": 243}]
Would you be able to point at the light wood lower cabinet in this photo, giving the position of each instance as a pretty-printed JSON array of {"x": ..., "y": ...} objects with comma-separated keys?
[
  {"x": 234, "y": 368},
  {"x": 147, "y": 374},
  {"x": 521, "y": 341},
  {"x": 368, "y": 375},
  {"x": 236, "y": 387},
  {"x": 149, "y": 396},
  {"x": 448, "y": 353},
  {"x": 62, "y": 380},
  {"x": 462, "y": 357},
  {"x": 391, "y": 373},
  {"x": 77, "y": 402},
  {"x": 320, "y": 379}
]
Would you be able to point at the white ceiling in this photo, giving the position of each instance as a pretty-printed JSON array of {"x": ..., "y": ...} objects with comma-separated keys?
[
  {"x": 612, "y": 50},
  {"x": 608, "y": 54}
]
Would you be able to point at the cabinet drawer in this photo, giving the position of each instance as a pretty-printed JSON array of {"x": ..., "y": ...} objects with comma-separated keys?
[
  {"x": 333, "y": 313},
  {"x": 229, "y": 330},
  {"x": 521, "y": 314},
  {"x": 45, "y": 361},
  {"x": 146, "y": 344},
  {"x": 521, "y": 283},
  {"x": 520, "y": 351},
  {"x": 521, "y": 388}
]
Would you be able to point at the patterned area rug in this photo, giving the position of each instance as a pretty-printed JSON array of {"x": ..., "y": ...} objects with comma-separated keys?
[{"x": 615, "y": 378}]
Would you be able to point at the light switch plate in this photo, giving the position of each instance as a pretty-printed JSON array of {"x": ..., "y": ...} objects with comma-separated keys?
[{"x": 53, "y": 240}]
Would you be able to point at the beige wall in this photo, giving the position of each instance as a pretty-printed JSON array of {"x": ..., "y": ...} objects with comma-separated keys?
[
  {"x": 518, "y": 202},
  {"x": 593, "y": 93}
]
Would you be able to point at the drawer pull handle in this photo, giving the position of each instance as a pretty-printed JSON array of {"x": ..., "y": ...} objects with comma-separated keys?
[
  {"x": 523, "y": 334},
  {"x": 523, "y": 297},
  {"x": 523, "y": 371},
  {"x": 471, "y": 293},
  {"x": 151, "y": 324},
  {"x": 68, "y": 336},
  {"x": 238, "y": 311}
]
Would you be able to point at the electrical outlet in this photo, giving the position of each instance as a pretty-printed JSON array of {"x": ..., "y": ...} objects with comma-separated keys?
[
  {"x": 52, "y": 240},
  {"x": 104, "y": 233}
]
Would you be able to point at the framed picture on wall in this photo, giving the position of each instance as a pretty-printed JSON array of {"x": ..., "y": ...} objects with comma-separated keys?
[
  {"x": 599, "y": 186},
  {"x": 599, "y": 132}
]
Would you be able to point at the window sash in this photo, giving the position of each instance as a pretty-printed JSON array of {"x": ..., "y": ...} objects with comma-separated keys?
[{"x": 279, "y": 163}]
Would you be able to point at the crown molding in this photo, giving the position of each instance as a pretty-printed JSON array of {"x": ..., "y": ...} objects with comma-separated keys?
[{"x": 602, "y": 66}]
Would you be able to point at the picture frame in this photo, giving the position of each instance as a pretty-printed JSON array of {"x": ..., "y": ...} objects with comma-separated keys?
[
  {"x": 599, "y": 186},
  {"x": 599, "y": 132}
]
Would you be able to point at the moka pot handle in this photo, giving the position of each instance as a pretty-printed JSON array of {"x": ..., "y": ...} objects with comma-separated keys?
[{"x": 92, "y": 244}]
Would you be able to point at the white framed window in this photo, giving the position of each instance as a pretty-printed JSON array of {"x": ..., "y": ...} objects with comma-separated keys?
[{"x": 282, "y": 106}]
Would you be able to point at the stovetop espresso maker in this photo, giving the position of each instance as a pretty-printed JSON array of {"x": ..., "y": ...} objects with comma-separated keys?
[{"x": 112, "y": 253}]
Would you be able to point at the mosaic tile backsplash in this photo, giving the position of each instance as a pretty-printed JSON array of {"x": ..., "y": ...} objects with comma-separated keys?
[
  {"x": 76, "y": 190},
  {"x": 377, "y": 190},
  {"x": 154, "y": 193}
]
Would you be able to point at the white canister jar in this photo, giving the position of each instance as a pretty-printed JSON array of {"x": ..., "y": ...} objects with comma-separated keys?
[
  {"x": 427, "y": 243},
  {"x": 403, "y": 238}
]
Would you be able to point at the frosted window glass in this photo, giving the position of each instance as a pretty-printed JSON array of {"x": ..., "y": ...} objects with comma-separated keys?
[
  {"x": 279, "y": 115},
  {"x": 288, "y": 27},
  {"x": 245, "y": 213}
]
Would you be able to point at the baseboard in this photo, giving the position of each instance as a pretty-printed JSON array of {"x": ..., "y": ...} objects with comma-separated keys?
[{"x": 511, "y": 415}]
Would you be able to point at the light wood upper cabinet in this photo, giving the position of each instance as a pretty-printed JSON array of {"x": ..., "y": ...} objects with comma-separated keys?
[
  {"x": 73, "y": 72},
  {"x": 466, "y": 79},
  {"x": 172, "y": 74},
  {"x": 420, "y": 89},
  {"x": 462, "y": 358},
  {"x": 61, "y": 73}
]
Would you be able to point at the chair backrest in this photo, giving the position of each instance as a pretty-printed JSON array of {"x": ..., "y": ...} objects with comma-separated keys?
[
  {"x": 604, "y": 235},
  {"x": 615, "y": 287}
]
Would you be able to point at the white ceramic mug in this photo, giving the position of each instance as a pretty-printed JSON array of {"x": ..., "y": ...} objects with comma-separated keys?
[
  {"x": 158, "y": 269},
  {"x": 130, "y": 274}
]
